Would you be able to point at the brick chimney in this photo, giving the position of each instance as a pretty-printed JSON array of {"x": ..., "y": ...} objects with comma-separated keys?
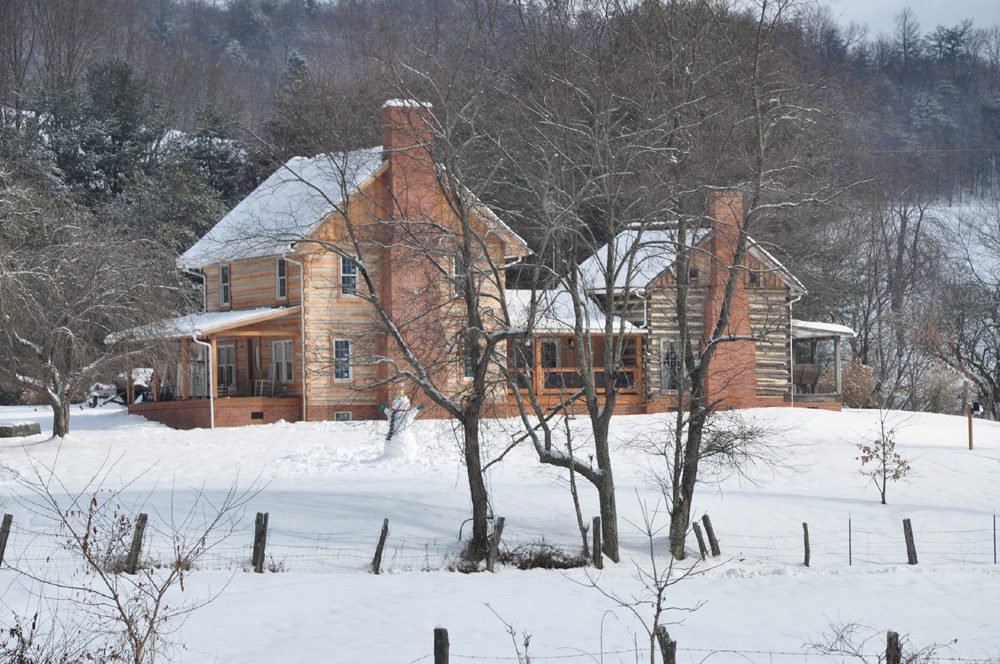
[
  {"x": 733, "y": 373},
  {"x": 410, "y": 282},
  {"x": 407, "y": 143}
]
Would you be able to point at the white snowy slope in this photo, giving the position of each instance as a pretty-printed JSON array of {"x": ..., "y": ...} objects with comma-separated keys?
[{"x": 326, "y": 490}]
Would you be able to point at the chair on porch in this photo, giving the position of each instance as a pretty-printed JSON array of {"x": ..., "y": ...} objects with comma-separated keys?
[
  {"x": 264, "y": 387},
  {"x": 806, "y": 377}
]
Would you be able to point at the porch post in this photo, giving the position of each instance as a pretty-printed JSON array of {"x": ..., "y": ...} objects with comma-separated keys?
[
  {"x": 154, "y": 383},
  {"x": 836, "y": 364},
  {"x": 639, "y": 355},
  {"x": 184, "y": 370},
  {"x": 129, "y": 392},
  {"x": 537, "y": 373},
  {"x": 213, "y": 385}
]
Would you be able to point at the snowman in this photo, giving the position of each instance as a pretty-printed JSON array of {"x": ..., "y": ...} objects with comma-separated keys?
[{"x": 399, "y": 442}]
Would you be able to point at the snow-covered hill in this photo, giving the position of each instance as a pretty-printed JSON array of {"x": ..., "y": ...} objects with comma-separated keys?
[{"x": 326, "y": 492}]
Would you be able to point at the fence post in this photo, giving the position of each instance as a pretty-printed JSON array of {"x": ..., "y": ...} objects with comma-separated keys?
[
  {"x": 911, "y": 550},
  {"x": 701, "y": 540},
  {"x": 377, "y": 560},
  {"x": 805, "y": 541},
  {"x": 714, "y": 543},
  {"x": 441, "y": 645},
  {"x": 598, "y": 555},
  {"x": 259, "y": 541},
  {"x": 5, "y": 533},
  {"x": 495, "y": 544},
  {"x": 668, "y": 647},
  {"x": 893, "y": 654},
  {"x": 132, "y": 562}
]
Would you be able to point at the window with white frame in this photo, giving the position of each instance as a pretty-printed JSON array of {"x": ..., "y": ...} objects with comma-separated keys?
[
  {"x": 458, "y": 272},
  {"x": 343, "y": 416},
  {"x": 348, "y": 276},
  {"x": 224, "y": 285},
  {"x": 343, "y": 370},
  {"x": 468, "y": 369},
  {"x": 550, "y": 354},
  {"x": 671, "y": 365},
  {"x": 282, "y": 358},
  {"x": 281, "y": 279},
  {"x": 226, "y": 367}
]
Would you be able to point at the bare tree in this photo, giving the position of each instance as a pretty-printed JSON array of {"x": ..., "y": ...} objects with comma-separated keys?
[
  {"x": 108, "y": 612},
  {"x": 67, "y": 283},
  {"x": 964, "y": 328}
]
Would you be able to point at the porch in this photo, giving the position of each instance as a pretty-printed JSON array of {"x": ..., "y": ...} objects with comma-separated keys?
[
  {"x": 548, "y": 365},
  {"x": 813, "y": 366},
  {"x": 232, "y": 369}
]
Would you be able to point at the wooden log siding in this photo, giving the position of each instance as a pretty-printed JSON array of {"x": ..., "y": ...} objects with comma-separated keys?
[
  {"x": 769, "y": 317},
  {"x": 662, "y": 326},
  {"x": 252, "y": 284}
]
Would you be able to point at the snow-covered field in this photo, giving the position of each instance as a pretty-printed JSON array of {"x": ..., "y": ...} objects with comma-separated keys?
[{"x": 326, "y": 492}]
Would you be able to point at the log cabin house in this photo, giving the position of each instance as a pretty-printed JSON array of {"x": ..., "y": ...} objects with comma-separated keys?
[{"x": 302, "y": 277}]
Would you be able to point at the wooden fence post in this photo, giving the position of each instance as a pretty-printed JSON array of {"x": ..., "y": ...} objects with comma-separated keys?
[
  {"x": 893, "y": 654},
  {"x": 805, "y": 542},
  {"x": 377, "y": 560},
  {"x": 598, "y": 556},
  {"x": 714, "y": 543},
  {"x": 132, "y": 562},
  {"x": 259, "y": 541},
  {"x": 495, "y": 544},
  {"x": 668, "y": 647},
  {"x": 4, "y": 534},
  {"x": 441, "y": 645},
  {"x": 911, "y": 549},
  {"x": 701, "y": 540}
]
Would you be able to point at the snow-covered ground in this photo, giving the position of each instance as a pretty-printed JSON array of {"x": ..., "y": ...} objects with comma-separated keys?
[{"x": 327, "y": 491}]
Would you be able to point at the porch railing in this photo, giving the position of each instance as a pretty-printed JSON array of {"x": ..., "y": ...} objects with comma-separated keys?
[{"x": 562, "y": 379}]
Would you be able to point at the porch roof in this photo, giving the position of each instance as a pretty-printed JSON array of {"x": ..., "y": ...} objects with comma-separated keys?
[
  {"x": 204, "y": 324},
  {"x": 805, "y": 329},
  {"x": 554, "y": 313}
]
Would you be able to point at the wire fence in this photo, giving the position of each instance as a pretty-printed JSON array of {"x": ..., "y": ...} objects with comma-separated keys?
[{"x": 851, "y": 542}]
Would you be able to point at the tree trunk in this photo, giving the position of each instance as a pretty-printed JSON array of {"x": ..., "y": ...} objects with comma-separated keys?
[
  {"x": 606, "y": 486},
  {"x": 479, "y": 544},
  {"x": 60, "y": 418},
  {"x": 609, "y": 517},
  {"x": 680, "y": 513}
]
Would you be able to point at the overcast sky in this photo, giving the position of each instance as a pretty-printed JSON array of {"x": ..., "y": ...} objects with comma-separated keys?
[{"x": 878, "y": 14}]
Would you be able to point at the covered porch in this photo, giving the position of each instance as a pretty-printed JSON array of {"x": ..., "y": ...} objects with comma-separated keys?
[
  {"x": 233, "y": 369},
  {"x": 547, "y": 360},
  {"x": 811, "y": 371}
]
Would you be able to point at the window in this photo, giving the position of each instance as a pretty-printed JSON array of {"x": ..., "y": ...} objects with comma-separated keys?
[
  {"x": 281, "y": 358},
  {"x": 281, "y": 279},
  {"x": 226, "y": 368},
  {"x": 458, "y": 276},
  {"x": 348, "y": 276},
  {"x": 224, "y": 285},
  {"x": 671, "y": 357},
  {"x": 550, "y": 354},
  {"x": 342, "y": 369},
  {"x": 343, "y": 416},
  {"x": 197, "y": 370},
  {"x": 468, "y": 368}
]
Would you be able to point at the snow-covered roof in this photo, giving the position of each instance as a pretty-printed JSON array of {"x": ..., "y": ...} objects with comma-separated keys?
[
  {"x": 554, "y": 313},
  {"x": 212, "y": 322},
  {"x": 284, "y": 208},
  {"x": 655, "y": 254},
  {"x": 805, "y": 329}
]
